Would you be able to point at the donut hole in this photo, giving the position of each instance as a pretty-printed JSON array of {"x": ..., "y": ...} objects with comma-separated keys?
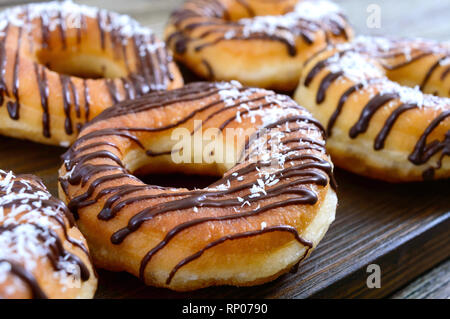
[{"x": 81, "y": 64}]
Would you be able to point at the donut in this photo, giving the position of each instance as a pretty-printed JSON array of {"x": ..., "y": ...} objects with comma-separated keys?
[
  {"x": 385, "y": 105},
  {"x": 271, "y": 206},
  {"x": 61, "y": 64},
  {"x": 261, "y": 43},
  {"x": 42, "y": 252}
]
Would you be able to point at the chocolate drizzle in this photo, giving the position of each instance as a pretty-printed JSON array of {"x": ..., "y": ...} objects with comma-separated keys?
[
  {"x": 13, "y": 106},
  {"x": 223, "y": 239},
  {"x": 301, "y": 169},
  {"x": 423, "y": 151},
  {"x": 368, "y": 111},
  {"x": 151, "y": 72}
]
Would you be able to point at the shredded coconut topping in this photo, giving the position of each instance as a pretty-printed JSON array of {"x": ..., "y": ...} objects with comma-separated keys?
[
  {"x": 355, "y": 66},
  {"x": 405, "y": 46},
  {"x": 25, "y": 230},
  {"x": 283, "y": 25}
]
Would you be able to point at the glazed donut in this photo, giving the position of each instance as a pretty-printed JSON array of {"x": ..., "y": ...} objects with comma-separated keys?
[
  {"x": 370, "y": 94},
  {"x": 260, "y": 43},
  {"x": 61, "y": 64},
  {"x": 42, "y": 253},
  {"x": 269, "y": 210}
]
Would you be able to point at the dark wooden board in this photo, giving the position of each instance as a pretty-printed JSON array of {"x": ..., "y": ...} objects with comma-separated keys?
[
  {"x": 434, "y": 284},
  {"x": 405, "y": 228}
]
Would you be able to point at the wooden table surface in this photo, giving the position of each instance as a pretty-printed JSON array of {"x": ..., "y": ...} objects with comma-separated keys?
[{"x": 403, "y": 228}]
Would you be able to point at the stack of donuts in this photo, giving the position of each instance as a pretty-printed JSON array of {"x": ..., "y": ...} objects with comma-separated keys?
[{"x": 104, "y": 86}]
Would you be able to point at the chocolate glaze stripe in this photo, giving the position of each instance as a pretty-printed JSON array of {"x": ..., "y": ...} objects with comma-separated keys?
[
  {"x": 75, "y": 98},
  {"x": 28, "y": 278},
  {"x": 320, "y": 65},
  {"x": 117, "y": 193},
  {"x": 383, "y": 134},
  {"x": 344, "y": 97},
  {"x": 127, "y": 87},
  {"x": 45, "y": 30},
  {"x": 325, "y": 84},
  {"x": 431, "y": 70},
  {"x": 280, "y": 228},
  {"x": 67, "y": 102},
  {"x": 41, "y": 80},
  {"x": 96, "y": 134},
  {"x": 82, "y": 29},
  {"x": 100, "y": 30},
  {"x": 291, "y": 48},
  {"x": 79, "y": 201},
  {"x": 112, "y": 89},
  {"x": 3, "y": 87},
  {"x": 87, "y": 99},
  {"x": 314, "y": 71},
  {"x": 62, "y": 30},
  {"x": 422, "y": 151},
  {"x": 445, "y": 73},
  {"x": 301, "y": 118},
  {"x": 13, "y": 107}
]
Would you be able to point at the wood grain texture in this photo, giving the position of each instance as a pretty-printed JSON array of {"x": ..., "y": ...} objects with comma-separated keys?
[
  {"x": 435, "y": 284},
  {"x": 404, "y": 228}
]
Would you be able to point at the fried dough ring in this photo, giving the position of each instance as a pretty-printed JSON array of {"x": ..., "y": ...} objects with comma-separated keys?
[
  {"x": 377, "y": 126},
  {"x": 61, "y": 64},
  {"x": 270, "y": 209},
  {"x": 259, "y": 43},
  {"x": 42, "y": 253}
]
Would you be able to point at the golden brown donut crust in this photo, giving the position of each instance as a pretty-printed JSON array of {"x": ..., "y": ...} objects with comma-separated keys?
[
  {"x": 259, "y": 43},
  {"x": 377, "y": 126},
  {"x": 254, "y": 224},
  {"x": 61, "y": 64},
  {"x": 42, "y": 253}
]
